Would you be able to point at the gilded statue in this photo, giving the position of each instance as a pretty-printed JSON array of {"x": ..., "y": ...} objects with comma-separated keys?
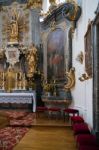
[
  {"x": 31, "y": 60},
  {"x": 14, "y": 27},
  {"x": 10, "y": 79}
]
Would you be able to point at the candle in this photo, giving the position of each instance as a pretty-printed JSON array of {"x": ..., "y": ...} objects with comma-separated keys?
[{"x": 3, "y": 80}]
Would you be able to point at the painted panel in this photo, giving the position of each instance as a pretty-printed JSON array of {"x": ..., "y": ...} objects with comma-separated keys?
[{"x": 55, "y": 55}]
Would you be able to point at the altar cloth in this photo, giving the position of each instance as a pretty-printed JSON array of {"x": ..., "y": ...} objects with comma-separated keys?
[{"x": 29, "y": 98}]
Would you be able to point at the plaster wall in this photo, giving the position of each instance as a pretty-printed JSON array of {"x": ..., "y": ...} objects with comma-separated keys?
[{"x": 82, "y": 93}]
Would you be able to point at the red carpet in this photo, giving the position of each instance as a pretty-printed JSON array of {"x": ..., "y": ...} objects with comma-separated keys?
[
  {"x": 25, "y": 121},
  {"x": 10, "y": 136},
  {"x": 19, "y": 121},
  {"x": 20, "y": 118},
  {"x": 15, "y": 114}
]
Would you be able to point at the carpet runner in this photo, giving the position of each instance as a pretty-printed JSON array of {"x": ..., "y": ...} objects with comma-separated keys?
[
  {"x": 10, "y": 136},
  {"x": 20, "y": 118},
  {"x": 19, "y": 121},
  {"x": 25, "y": 121}
]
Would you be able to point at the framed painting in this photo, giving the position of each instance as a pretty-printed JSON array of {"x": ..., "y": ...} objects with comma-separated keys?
[
  {"x": 12, "y": 54},
  {"x": 88, "y": 50},
  {"x": 55, "y": 55}
]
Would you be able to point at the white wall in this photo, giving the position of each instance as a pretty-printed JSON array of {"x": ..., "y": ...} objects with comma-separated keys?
[
  {"x": 82, "y": 93},
  {"x": 45, "y": 6}
]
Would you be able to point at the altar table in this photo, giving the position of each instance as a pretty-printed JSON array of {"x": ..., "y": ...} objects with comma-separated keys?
[{"x": 29, "y": 98}]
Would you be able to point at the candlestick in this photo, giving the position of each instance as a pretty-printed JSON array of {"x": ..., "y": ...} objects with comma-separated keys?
[{"x": 3, "y": 80}]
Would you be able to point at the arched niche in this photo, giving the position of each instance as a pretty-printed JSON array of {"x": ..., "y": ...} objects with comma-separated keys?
[{"x": 55, "y": 55}]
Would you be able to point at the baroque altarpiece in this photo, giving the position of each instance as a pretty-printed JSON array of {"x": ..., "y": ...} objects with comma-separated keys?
[
  {"x": 36, "y": 45},
  {"x": 19, "y": 32}
]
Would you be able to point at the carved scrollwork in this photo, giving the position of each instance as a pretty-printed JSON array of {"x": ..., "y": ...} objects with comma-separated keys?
[
  {"x": 34, "y": 3},
  {"x": 70, "y": 76},
  {"x": 71, "y": 11}
]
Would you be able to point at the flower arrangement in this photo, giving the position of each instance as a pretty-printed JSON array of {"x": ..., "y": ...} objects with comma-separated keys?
[{"x": 48, "y": 87}]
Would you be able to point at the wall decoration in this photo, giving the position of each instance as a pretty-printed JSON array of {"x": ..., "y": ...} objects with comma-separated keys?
[
  {"x": 12, "y": 55},
  {"x": 55, "y": 54},
  {"x": 15, "y": 25},
  {"x": 34, "y": 3},
  {"x": 88, "y": 50},
  {"x": 80, "y": 57},
  {"x": 84, "y": 77},
  {"x": 70, "y": 77}
]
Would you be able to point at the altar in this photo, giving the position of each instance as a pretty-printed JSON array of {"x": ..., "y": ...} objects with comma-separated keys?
[{"x": 19, "y": 98}]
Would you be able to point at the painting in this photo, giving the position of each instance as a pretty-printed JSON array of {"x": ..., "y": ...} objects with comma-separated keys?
[
  {"x": 55, "y": 55},
  {"x": 12, "y": 55},
  {"x": 88, "y": 50}
]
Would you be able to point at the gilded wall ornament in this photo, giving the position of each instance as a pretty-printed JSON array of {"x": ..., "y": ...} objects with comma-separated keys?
[
  {"x": 84, "y": 77},
  {"x": 80, "y": 57},
  {"x": 70, "y": 76}
]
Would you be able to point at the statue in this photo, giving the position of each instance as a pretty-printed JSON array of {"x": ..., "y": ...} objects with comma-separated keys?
[
  {"x": 31, "y": 60},
  {"x": 10, "y": 79},
  {"x": 14, "y": 27}
]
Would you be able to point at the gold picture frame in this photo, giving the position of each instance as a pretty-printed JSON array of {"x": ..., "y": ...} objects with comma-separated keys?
[{"x": 88, "y": 50}]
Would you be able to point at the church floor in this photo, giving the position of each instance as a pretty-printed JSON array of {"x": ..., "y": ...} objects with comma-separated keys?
[{"x": 48, "y": 134}]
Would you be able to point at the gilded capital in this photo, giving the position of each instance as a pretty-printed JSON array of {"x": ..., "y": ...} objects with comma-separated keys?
[{"x": 34, "y": 4}]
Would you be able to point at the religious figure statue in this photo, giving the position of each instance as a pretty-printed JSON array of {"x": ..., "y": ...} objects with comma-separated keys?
[
  {"x": 10, "y": 79},
  {"x": 14, "y": 27},
  {"x": 31, "y": 60}
]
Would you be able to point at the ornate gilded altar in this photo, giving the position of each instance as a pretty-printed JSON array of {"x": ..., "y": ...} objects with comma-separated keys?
[{"x": 19, "y": 60}]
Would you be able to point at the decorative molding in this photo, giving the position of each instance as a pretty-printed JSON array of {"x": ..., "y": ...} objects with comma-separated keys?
[
  {"x": 70, "y": 11},
  {"x": 70, "y": 76},
  {"x": 34, "y": 3},
  {"x": 80, "y": 57},
  {"x": 84, "y": 77},
  {"x": 53, "y": 25}
]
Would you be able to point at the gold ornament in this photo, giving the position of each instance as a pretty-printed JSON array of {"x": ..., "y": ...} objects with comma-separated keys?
[
  {"x": 10, "y": 79},
  {"x": 31, "y": 59},
  {"x": 14, "y": 27},
  {"x": 34, "y": 4},
  {"x": 70, "y": 79}
]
